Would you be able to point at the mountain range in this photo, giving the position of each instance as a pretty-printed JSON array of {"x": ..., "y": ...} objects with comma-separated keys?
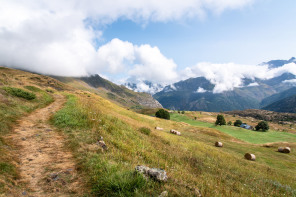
[{"x": 197, "y": 93}]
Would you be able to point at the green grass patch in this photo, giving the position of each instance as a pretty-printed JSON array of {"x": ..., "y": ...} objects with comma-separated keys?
[
  {"x": 19, "y": 93},
  {"x": 250, "y": 136},
  {"x": 33, "y": 88},
  {"x": 145, "y": 130},
  {"x": 71, "y": 116}
]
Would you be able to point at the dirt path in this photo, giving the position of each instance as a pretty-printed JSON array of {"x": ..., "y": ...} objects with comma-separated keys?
[{"x": 46, "y": 168}]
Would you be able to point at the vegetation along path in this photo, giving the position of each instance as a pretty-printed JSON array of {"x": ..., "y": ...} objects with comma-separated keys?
[{"x": 46, "y": 168}]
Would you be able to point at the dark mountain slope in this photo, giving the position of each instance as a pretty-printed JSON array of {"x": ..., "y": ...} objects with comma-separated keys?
[
  {"x": 276, "y": 97},
  {"x": 284, "y": 105}
]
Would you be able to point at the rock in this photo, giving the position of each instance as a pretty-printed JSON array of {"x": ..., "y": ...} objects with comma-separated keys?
[
  {"x": 155, "y": 173},
  {"x": 164, "y": 194},
  {"x": 101, "y": 143},
  {"x": 23, "y": 138},
  {"x": 142, "y": 169},
  {"x": 54, "y": 176},
  {"x": 197, "y": 192},
  {"x": 24, "y": 193}
]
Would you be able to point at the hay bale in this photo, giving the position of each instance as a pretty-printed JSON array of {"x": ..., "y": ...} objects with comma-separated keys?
[
  {"x": 219, "y": 144},
  {"x": 175, "y": 132},
  {"x": 284, "y": 149},
  {"x": 159, "y": 128},
  {"x": 250, "y": 156}
]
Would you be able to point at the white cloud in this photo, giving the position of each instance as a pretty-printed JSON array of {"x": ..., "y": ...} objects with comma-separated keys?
[
  {"x": 253, "y": 84},
  {"x": 292, "y": 81},
  {"x": 200, "y": 90},
  {"x": 229, "y": 76},
  {"x": 52, "y": 37}
]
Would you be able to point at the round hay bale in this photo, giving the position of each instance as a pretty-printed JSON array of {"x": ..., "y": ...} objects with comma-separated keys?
[
  {"x": 284, "y": 149},
  {"x": 250, "y": 156},
  {"x": 219, "y": 144}
]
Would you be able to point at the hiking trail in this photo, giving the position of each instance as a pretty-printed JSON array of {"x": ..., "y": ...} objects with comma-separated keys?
[{"x": 46, "y": 167}]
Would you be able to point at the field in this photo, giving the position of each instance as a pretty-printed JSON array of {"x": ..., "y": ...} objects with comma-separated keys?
[
  {"x": 250, "y": 136},
  {"x": 193, "y": 164}
]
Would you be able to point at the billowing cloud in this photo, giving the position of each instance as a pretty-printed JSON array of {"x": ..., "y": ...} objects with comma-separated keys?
[
  {"x": 57, "y": 36},
  {"x": 229, "y": 76}
]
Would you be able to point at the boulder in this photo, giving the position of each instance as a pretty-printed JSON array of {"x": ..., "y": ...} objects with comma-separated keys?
[{"x": 154, "y": 173}]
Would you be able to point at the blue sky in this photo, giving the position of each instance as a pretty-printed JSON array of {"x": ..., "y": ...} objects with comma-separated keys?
[
  {"x": 159, "y": 41},
  {"x": 259, "y": 32}
]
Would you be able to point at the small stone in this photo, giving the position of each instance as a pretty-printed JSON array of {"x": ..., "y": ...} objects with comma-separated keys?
[
  {"x": 164, "y": 194},
  {"x": 24, "y": 193},
  {"x": 23, "y": 138},
  {"x": 54, "y": 176}
]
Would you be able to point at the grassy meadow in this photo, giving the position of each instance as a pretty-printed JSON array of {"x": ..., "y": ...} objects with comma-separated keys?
[
  {"x": 255, "y": 137},
  {"x": 190, "y": 160}
]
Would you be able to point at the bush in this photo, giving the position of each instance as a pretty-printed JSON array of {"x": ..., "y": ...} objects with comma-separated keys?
[
  {"x": 20, "y": 93},
  {"x": 263, "y": 125},
  {"x": 145, "y": 130},
  {"x": 162, "y": 114},
  {"x": 229, "y": 123},
  {"x": 220, "y": 120},
  {"x": 183, "y": 112},
  {"x": 238, "y": 123}
]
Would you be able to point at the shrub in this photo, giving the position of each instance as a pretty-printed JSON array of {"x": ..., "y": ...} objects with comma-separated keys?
[
  {"x": 183, "y": 112},
  {"x": 145, "y": 130},
  {"x": 162, "y": 114},
  {"x": 229, "y": 123},
  {"x": 20, "y": 93},
  {"x": 237, "y": 123},
  {"x": 263, "y": 125},
  {"x": 220, "y": 120}
]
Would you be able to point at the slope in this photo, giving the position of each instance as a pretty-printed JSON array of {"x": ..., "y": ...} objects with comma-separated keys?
[
  {"x": 284, "y": 105},
  {"x": 276, "y": 97},
  {"x": 119, "y": 94}
]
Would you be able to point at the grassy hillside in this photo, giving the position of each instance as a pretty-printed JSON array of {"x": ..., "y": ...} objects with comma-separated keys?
[
  {"x": 106, "y": 89},
  {"x": 190, "y": 160}
]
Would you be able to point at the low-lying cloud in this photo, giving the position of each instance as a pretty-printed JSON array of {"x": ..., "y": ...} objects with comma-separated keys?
[
  {"x": 59, "y": 37},
  {"x": 229, "y": 76}
]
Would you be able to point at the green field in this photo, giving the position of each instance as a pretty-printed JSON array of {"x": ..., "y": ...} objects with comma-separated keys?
[{"x": 254, "y": 137}]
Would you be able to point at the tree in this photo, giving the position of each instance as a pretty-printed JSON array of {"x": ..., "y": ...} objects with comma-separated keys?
[
  {"x": 263, "y": 125},
  {"x": 162, "y": 114},
  {"x": 229, "y": 123},
  {"x": 237, "y": 123},
  {"x": 183, "y": 112},
  {"x": 220, "y": 120}
]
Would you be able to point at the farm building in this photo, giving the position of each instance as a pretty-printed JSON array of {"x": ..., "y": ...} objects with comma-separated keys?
[{"x": 245, "y": 126}]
